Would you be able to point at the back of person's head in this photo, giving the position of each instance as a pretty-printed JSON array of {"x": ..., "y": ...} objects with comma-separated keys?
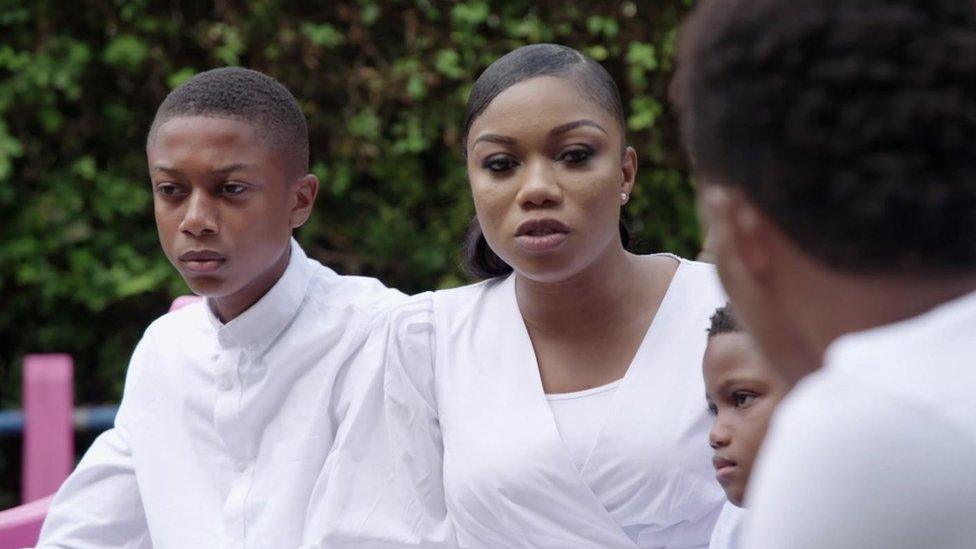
[
  {"x": 535, "y": 60},
  {"x": 850, "y": 123},
  {"x": 247, "y": 96}
]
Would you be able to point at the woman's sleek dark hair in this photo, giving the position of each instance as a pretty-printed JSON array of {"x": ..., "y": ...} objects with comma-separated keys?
[{"x": 593, "y": 81}]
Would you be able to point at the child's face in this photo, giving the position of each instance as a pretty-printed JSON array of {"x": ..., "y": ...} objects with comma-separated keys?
[
  {"x": 742, "y": 391},
  {"x": 225, "y": 203}
]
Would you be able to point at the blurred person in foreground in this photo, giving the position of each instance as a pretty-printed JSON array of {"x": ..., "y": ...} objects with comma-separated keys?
[{"x": 835, "y": 145}]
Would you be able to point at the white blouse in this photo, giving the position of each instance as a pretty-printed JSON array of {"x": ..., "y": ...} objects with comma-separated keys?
[
  {"x": 579, "y": 417},
  {"x": 464, "y": 396}
]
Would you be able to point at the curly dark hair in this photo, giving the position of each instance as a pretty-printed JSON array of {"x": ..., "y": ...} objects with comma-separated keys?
[
  {"x": 245, "y": 95},
  {"x": 850, "y": 123},
  {"x": 723, "y": 322}
]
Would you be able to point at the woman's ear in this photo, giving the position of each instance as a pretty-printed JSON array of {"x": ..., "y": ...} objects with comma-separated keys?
[
  {"x": 628, "y": 167},
  {"x": 304, "y": 192}
]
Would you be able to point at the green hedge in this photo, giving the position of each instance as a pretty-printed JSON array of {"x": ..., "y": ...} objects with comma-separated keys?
[{"x": 383, "y": 83}]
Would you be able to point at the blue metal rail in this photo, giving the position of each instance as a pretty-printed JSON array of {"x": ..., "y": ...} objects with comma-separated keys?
[{"x": 87, "y": 418}]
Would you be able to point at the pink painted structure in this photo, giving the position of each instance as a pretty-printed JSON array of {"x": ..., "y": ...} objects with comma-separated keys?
[
  {"x": 48, "y": 441},
  {"x": 49, "y": 446}
]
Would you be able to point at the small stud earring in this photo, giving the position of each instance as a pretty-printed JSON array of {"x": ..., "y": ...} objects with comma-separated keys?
[{"x": 623, "y": 197}]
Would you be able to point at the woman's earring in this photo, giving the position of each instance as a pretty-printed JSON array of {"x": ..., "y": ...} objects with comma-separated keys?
[{"x": 623, "y": 197}]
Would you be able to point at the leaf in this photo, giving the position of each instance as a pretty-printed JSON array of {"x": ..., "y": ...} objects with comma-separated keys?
[{"x": 127, "y": 52}]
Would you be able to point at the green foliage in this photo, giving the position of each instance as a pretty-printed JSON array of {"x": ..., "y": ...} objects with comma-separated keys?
[{"x": 383, "y": 83}]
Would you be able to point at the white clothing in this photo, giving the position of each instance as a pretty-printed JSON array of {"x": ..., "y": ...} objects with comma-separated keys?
[
  {"x": 224, "y": 428},
  {"x": 464, "y": 395},
  {"x": 579, "y": 418},
  {"x": 876, "y": 450},
  {"x": 728, "y": 528}
]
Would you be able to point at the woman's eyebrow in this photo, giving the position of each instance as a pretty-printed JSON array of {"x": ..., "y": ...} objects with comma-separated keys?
[
  {"x": 494, "y": 138},
  {"x": 573, "y": 125}
]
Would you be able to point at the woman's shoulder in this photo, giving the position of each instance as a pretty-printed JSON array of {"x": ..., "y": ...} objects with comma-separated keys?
[{"x": 470, "y": 296}]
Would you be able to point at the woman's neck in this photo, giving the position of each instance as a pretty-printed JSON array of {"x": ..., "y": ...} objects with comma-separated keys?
[{"x": 597, "y": 296}]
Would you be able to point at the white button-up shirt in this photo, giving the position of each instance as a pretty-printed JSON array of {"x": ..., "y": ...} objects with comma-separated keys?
[
  {"x": 224, "y": 428},
  {"x": 876, "y": 450}
]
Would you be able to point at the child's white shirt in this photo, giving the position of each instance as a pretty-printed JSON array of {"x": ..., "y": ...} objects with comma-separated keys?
[
  {"x": 224, "y": 428},
  {"x": 728, "y": 528}
]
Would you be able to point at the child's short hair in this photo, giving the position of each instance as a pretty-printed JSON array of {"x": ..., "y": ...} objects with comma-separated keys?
[
  {"x": 723, "y": 322},
  {"x": 245, "y": 95}
]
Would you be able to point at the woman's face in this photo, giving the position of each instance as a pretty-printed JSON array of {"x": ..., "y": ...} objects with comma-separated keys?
[{"x": 547, "y": 168}]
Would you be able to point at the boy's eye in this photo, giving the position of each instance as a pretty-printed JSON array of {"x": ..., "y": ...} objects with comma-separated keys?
[
  {"x": 712, "y": 409},
  {"x": 233, "y": 188},
  {"x": 168, "y": 189},
  {"x": 742, "y": 398},
  {"x": 499, "y": 163},
  {"x": 577, "y": 155}
]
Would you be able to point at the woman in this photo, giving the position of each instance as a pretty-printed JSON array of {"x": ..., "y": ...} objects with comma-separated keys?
[{"x": 562, "y": 395}]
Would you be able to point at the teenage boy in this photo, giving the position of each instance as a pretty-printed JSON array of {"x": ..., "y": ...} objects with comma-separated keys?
[
  {"x": 835, "y": 145},
  {"x": 231, "y": 405},
  {"x": 742, "y": 391}
]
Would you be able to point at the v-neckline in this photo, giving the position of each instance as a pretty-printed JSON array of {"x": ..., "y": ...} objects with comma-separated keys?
[
  {"x": 621, "y": 381},
  {"x": 540, "y": 400}
]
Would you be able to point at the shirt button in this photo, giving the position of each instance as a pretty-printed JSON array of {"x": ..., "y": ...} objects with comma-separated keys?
[
  {"x": 226, "y": 384},
  {"x": 241, "y": 466},
  {"x": 215, "y": 357}
]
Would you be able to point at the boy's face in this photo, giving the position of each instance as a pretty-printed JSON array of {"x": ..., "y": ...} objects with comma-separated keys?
[
  {"x": 225, "y": 203},
  {"x": 742, "y": 392}
]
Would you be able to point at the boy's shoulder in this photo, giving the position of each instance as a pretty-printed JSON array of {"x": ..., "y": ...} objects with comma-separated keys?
[
  {"x": 330, "y": 290},
  {"x": 179, "y": 324}
]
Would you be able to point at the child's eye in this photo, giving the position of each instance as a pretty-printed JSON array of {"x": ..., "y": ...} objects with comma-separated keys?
[
  {"x": 712, "y": 409},
  {"x": 742, "y": 398},
  {"x": 233, "y": 188},
  {"x": 577, "y": 155},
  {"x": 499, "y": 163}
]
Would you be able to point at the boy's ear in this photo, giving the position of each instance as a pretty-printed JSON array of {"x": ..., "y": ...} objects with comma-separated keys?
[
  {"x": 739, "y": 233},
  {"x": 303, "y": 195}
]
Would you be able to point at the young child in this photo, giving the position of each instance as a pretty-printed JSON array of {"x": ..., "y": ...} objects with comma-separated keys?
[
  {"x": 231, "y": 405},
  {"x": 742, "y": 392}
]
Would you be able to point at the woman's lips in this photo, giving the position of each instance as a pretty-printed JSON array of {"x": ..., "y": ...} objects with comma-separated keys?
[
  {"x": 540, "y": 243},
  {"x": 541, "y": 235}
]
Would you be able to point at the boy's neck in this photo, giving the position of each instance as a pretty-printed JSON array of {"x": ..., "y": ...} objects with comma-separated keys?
[
  {"x": 872, "y": 302},
  {"x": 229, "y": 307}
]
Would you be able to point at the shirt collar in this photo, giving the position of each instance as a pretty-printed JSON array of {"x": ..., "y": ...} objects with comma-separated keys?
[{"x": 257, "y": 327}]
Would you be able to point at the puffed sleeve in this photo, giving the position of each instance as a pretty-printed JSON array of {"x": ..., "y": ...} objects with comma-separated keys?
[{"x": 382, "y": 485}]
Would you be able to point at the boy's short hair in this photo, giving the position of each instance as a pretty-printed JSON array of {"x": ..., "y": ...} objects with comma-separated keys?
[
  {"x": 723, "y": 322},
  {"x": 245, "y": 95},
  {"x": 851, "y": 124}
]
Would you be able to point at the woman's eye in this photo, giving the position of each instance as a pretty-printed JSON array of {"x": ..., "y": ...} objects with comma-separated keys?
[
  {"x": 576, "y": 156},
  {"x": 743, "y": 399},
  {"x": 499, "y": 164},
  {"x": 232, "y": 188}
]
